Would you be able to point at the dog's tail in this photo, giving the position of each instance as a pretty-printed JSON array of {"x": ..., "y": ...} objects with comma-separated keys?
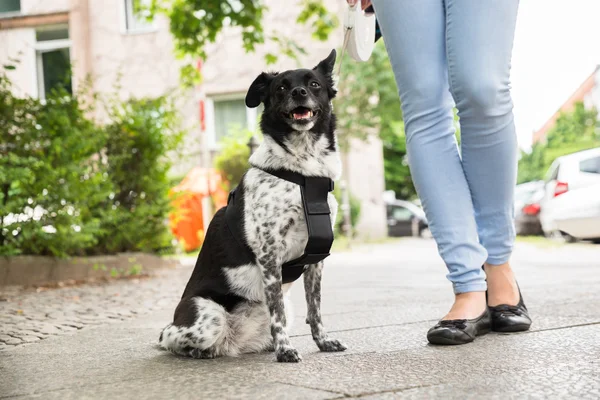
[
  {"x": 207, "y": 336},
  {"x": 161, "y": 343}
]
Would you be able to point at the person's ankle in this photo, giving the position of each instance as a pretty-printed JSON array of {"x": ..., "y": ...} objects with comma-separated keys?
[
  {"x": 467, "y": 306},
  {"x": 502, "y": 285}
]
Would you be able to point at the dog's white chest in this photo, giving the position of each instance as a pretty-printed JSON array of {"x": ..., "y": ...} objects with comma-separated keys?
[{"x": 274, "y": 215}]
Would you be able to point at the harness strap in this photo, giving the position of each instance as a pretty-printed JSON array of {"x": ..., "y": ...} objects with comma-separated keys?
[{"x": 314, "y": 191}]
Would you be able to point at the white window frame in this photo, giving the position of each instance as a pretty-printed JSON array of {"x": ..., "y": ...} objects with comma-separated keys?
[
  {"x": 41, "y": 48},
  {"x": 150, "y": 28},
  {"x": 11, "y": 14},
  {"x": 209, "y": 108}
]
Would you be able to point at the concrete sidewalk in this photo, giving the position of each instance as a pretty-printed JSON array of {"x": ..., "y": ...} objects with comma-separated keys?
[{"x": 380, "y": 300}]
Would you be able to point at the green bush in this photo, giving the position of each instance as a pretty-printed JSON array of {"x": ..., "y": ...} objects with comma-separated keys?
[
  {"x": 140, "y": 135},
  {"x": 232, "y": 161},
  {"x": 69, "y": 186},
  {"x": 50, "y": 175}
]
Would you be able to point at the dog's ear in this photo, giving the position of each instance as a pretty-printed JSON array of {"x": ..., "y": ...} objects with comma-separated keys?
[
  {"x": 259, "y": 88},
  {"x": 325, "y": 67}
]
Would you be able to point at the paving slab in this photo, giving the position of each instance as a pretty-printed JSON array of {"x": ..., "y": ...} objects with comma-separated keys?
[{"x": 380, "y": 301}]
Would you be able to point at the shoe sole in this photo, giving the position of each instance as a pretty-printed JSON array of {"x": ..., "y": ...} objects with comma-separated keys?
[
  {"x": 446, "y": 341},
  {"x": 512, "y": 328},
  {"x": 451, "y": 342}
]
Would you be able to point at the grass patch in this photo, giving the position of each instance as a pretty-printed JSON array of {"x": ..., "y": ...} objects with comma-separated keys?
[{"x": 541, "y": 241}]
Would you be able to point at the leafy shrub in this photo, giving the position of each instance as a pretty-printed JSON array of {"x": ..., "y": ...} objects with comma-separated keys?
[
  {"x": 232, "y": 161},
  {"x": 50, "y": 175},
  {"x": 69, "y": 186},
  {"x": 139, "y": 137}
]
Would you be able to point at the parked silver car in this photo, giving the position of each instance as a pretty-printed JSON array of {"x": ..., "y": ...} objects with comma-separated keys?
[
  {"x": 527, "y": 208},
  {"x": 406, "y": 219},
  {"x": 570, "y": 203}
]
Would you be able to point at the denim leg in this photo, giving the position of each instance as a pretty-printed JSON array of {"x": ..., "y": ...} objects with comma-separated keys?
[
  {"x": 414, "y": 35},
  {"x": 479, "y": 40}
]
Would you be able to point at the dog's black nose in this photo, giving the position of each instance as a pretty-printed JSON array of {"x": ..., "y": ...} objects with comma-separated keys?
[{"x": 299, "y": 92}]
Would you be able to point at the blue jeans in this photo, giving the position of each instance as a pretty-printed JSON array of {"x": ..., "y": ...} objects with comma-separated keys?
[{"x": 448, "y": 53}]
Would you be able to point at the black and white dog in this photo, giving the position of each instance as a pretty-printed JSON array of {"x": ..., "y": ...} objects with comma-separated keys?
[{"x": 234, "y": 303}]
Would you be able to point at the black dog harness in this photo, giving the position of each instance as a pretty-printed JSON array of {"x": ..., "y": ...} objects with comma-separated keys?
[{"x": 317, "y": 214}]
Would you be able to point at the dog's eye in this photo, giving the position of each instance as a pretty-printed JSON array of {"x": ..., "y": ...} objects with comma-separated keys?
[
  {"x": 281, "y": 88},
  {"x": 314, "y": 84}
]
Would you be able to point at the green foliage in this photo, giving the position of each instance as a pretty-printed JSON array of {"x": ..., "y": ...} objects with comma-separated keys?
[
  {"x": 395, "y": 163},
  {"x": 368, "y": 104},
  {"x": 71, "y": 187},
  {"x": 232, "y": 161},
  {"x": 136, "y": 269},
  {"x": 574, "y": 131},
  {"x": 50, "y": 175},
  {"x": 139, "y": 137},
  {"x": 322, "y": 21},
  {"x": 196, "y": 23}
]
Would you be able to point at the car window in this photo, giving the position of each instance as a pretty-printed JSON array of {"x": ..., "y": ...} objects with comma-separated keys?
[
  {"x": 553, "y": 172},
  {"x": 591, "y": 165},
  {"x": 401, "y": 214}
]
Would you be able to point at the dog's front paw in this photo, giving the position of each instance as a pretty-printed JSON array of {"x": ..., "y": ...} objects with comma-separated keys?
[
  {"x": 331, "y": 345},
  {"x": 288, "y": 354}
]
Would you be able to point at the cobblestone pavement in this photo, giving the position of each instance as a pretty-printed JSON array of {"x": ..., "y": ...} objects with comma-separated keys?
[{"x": 28, "y": 315}]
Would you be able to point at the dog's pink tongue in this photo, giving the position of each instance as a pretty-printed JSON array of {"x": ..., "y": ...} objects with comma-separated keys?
[{"x": 301, "y": 115}]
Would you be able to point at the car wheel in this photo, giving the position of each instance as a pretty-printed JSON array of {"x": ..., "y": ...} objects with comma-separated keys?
[
  {"x": 554, "y": 235},
  {"x": 425, "y": 233},
  {"x": 568, "y": 238}
]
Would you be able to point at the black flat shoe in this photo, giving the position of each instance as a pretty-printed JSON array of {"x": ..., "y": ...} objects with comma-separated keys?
[
  {"x": 460, "y": 331},
  {"x": 506, "y": 318}
]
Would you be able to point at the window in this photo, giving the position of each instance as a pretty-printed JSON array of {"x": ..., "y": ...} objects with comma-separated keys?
[
  {"x": 10, "y": 7},
  {"x": 136, "y": 16},
  {"x": 591, "y": 165},
  {"x": 53, "y": 57},
  {"x": 229, "y": 115},
  {"x": 226, "y": 115},
  {"x": 57, "y": 32},
  {"x": 401, "y": 214},
  {"x": 552, "y": 174}
]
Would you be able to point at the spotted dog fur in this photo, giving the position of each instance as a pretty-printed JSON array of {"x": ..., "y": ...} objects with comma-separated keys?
[{"x": 235, "y": 301}]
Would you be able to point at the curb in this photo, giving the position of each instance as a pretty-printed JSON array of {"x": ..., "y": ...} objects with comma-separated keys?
[{"x": 39, "y": 270}]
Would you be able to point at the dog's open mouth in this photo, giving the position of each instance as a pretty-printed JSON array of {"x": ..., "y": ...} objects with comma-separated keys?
[{"x": 302, "y": 113}]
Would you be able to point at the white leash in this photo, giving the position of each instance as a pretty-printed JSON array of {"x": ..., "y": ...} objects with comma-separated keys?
[{"x": 346, "y": 39}]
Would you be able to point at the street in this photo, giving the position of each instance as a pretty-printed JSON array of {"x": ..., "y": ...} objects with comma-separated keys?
[{"x": 380, "y": 300}]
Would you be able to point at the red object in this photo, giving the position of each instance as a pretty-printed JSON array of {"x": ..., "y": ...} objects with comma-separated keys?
[
  {"x": 531, "y": 209},
  {"x": 187, "y": 221},
  {"x": 201, "y": 105},
  {"x": 560, "y": 188},
  {"x": 202, "y": 116}
]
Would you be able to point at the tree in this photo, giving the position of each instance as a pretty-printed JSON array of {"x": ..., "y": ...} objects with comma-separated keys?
[
  {"x": 573, "y": 131},
  {"x": 368, "y": 104},
  {"x": 196, "y": 23}
]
